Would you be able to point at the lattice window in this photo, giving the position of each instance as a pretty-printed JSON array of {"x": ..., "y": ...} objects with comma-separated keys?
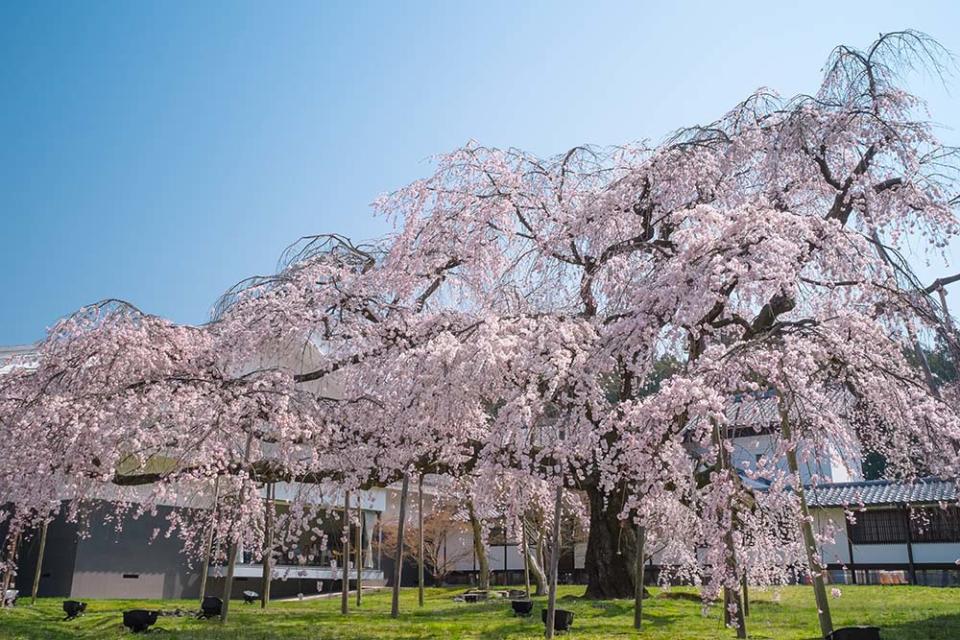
[
  {"x": 933, "y": 524},
  {"x": 879, "y": 527}
]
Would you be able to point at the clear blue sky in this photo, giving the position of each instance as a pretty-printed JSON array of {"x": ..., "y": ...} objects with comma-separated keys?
[{"x": 159, "y": 152}]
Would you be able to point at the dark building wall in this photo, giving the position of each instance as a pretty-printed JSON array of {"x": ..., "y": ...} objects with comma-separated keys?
[
  {"x": 409, "y": 575},
  {"x": 56, "y": 576},
  {"x": 131, "y": 563}
]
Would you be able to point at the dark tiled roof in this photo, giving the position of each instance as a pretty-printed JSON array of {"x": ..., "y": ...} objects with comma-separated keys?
[
  {"x": 877, "y": 492},
  {"x": 761, "y": 409}
]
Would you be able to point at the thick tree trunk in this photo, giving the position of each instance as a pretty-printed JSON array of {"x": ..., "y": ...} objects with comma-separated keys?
[
  {"x": 12, "y": 552},
  {"x": 534, "y": 559},
  {"x": 479, "y": 549},
  {"x": 610, "y": 548}
]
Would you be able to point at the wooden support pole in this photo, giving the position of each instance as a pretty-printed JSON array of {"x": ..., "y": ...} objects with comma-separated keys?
[
  {"x": 233, "y": 547},
  {"x": 345, "y": 586},
  {"x": 38, "y": 571},
  {"x": 420, "y": 542},
  {"x": 398, "y": 564},
  {"x": 638, "y": 573},
  {"x": 359, "y": 552},
  {"x": 746, "y": 596},
  {"x": 232, "y": 550},
  {"x": 267, "y": 559},
  {"x": 554, "y": 562},
  {"x": 208, "y": 545},
  {"x": 806, "y": 528}
]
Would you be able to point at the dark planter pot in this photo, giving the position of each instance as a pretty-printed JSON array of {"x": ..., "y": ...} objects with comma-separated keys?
[
  {"x": 856, "y": 633},
  {"x": 522, "y": 607},
  {"x": 73, "y": 608},
  {"x": 211, "y": 607},
  {"x": 249, "y": 597},
  {"x": 562, "y": 619},
  {"x": 475, "y": 596},
  {"x": 139, "y": 620}
]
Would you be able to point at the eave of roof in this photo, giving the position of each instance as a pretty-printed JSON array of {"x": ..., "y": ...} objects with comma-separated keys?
[{"x": 881, "y": 492}]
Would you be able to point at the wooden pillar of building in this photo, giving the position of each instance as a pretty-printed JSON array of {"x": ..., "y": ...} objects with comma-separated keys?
[
  {"x": 911, "y": 569},
  {"x": 853, "y": 564}
]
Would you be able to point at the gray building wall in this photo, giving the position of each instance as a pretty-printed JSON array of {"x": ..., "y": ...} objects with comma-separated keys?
[
  {"x": 129, "y": 565},
  {"x": 109, "y": 564},
  {"x": 56, "y": 576}
]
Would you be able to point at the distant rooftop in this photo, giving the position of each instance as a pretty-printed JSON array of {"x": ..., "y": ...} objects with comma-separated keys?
[
  {"x": 17, "y": 356},
  {"x": 882, "y": 492}
]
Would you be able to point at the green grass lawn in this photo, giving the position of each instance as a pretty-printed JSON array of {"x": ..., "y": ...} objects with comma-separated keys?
[{"x": 903, "y": 613}]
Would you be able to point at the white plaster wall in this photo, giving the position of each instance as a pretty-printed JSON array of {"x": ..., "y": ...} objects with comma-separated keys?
[
  {"x": 579, "y": 555},
  {"x": 943, "y": 552},
  {"x": 832, "y": 522},
  {"x": 833, "y": 466},
  {"x": 879, "y": 553}
]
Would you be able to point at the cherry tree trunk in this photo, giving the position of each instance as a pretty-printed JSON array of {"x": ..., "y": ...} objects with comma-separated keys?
[
  {"x": 479, "y": 549},
  {"x": 537, "y": 573},
  {"x": 609, "y": 551}
]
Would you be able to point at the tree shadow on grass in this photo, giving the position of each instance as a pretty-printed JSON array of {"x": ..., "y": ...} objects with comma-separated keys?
[
  {"x": 680, "y": 595},
  {"x": 945, "y": 627}
]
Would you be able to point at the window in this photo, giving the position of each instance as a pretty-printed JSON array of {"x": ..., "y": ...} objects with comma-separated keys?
[
  {"x": 933, "y": 524},
  {"x": 879, "y": 527}
]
